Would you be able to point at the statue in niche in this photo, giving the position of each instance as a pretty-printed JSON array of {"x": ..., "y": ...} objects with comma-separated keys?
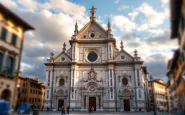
[{"x": 92, "y": 74}]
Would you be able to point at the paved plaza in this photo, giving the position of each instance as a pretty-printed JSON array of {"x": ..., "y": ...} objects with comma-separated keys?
[{"x": 104, "y": 113}]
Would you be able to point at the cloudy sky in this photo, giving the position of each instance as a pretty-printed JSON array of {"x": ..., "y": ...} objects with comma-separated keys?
[{"x": 141, "y": 24}]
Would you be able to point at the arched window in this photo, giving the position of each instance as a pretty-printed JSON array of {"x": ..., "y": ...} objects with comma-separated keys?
[
  {"x": 61, "y": 82},
  {"x": 125, "y": 81}
]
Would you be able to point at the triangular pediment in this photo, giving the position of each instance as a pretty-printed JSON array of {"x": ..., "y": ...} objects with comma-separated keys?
[
  {"x": 62, "y": 57},
  {"x": 92, "y": 27},
  {"x": 123, "y": 56}
]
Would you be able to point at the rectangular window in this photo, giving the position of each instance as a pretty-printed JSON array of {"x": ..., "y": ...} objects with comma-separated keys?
[
  {"x": 10, "y": 65},
  {"x": 139, "y": 94},
  {"x": 49, "y": 76},
  {"x": 3, "y": 34},
  {"x": 138, "y": 83},
  {"x": 137, "y": 74},
  {"x": 1, "y": 61},
  {"x": 14, "y": 39}
]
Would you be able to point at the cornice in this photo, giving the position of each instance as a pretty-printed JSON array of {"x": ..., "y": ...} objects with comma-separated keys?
[
  {"x": 94, "y": 41},
  {"x": 94, "y": 64}
]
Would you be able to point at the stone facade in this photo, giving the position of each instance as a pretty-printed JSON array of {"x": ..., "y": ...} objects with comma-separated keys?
[
  {"x": 12, "y": 30},
  {"x": 94, "y": 72}
]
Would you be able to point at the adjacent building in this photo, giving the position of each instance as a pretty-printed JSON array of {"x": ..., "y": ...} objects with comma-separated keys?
[
  {"x": 169, "y": 98},
  {"x": 32, "y": 91},
  {"x": 12, "y": 30},
  {"x": 93, "y": 72},
  {"x": 157, "y": 95},
  {"x": 178, "y": 62},
  {"x": 172, "y": 82}
]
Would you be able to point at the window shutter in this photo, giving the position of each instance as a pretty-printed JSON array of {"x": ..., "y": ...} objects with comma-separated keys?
[
  {"x": 14, "y": 65},
  {"x": 3, "y": 34},
  {"x": 7, "y": 64},
  {"x": 1, "y": 61}
]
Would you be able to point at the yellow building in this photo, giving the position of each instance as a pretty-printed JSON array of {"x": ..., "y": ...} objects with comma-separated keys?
[
  {"x": 12, "y": 29},
  {"x": 30, "y": 91},
  {"x": 157, "y": 95}
]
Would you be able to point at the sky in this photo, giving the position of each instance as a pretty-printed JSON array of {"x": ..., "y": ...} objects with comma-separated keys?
[{"x": 143, "y": 25}]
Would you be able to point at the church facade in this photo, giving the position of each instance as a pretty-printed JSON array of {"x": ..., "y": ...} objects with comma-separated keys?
[{"x": 93, "y": 72}]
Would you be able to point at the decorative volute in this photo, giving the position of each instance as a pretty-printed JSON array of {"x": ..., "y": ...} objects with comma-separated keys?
[{"x": 93, "y": 13}]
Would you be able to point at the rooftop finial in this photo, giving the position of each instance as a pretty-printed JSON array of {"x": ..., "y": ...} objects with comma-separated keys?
[
  {"x": 93, "y": 13},
  {"x": 121, "y": 46},
  {"x": 109, "y": 25},
  {"x": 64, "y": 47},
  {"x": 76, "y": 28},
  {"x": 135, "y": 53}
]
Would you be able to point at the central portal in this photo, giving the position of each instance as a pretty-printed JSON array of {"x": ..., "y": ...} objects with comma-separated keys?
[
  {"x": 126, "y": 104},
  {"x": 60, "y": 103},
  {"x": 92, "y": 102}
]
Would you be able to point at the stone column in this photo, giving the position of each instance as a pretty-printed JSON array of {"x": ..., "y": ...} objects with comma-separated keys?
[{"x": 121, "y": 104}]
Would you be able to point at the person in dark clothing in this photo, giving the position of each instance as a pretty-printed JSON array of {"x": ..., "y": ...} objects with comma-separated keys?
[
  {"x": 68, "y": 110},
  {"x": 47, "y": 108},
  {"x": 62, "y": 110}
]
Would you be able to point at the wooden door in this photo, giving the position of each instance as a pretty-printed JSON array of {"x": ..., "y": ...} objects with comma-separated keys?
[
  {"x": 60, "y": 103},
  {"x": 126, "y": 104},
  {"x": 92, "y": 102}
]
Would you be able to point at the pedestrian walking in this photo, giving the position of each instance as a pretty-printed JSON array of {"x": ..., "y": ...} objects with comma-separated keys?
[
  {"x": 68, "y": 110},
  {"x": 92, "y": 109},
  {"x": 65, "y": 110},
  {"x": 62, "y": 110}
]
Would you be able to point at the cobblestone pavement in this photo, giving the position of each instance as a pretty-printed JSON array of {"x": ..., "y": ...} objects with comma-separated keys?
[{"x": 104, "y": 113}]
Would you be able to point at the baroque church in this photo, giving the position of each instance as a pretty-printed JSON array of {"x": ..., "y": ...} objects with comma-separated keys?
[{"x": 93, "y": 72}]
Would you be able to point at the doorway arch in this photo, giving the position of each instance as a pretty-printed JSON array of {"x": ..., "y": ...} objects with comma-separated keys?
[{"x": 6, "y": 94}]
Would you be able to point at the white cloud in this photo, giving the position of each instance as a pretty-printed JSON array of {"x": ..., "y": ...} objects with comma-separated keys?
[
  {"x": 133, "y": 15},
  {"x": 28, "y": 4},
  {"x": 165, "y": 1},
  {"x": 9, "y": 3},
  {"x": 123, "y": 23},
  {"x": 25, "y": 66},
  {"x": 150, "y": 17},
  {"x": 154, "y": 18},
  {"x": 123, "y": 7}
]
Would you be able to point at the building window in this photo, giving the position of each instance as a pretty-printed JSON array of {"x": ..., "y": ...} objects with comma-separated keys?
[
  {"x": 125, "y": 81},
  {"x": 63, "y": 58},
  {"x": 122, "y": 57},
  {"x": 138, "y": 83},
  {"x": 3, "y": 34},
  {"x": 1, "y": 61},
  {"x": 30, "y": 90},
  {"x": 140, "y": 94},
  {"x": 61, "y": 82},
  {"x": 92, "y": 56},
  {"x": 10, "y": 63},
  {"x": 14, "y": 39}
]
